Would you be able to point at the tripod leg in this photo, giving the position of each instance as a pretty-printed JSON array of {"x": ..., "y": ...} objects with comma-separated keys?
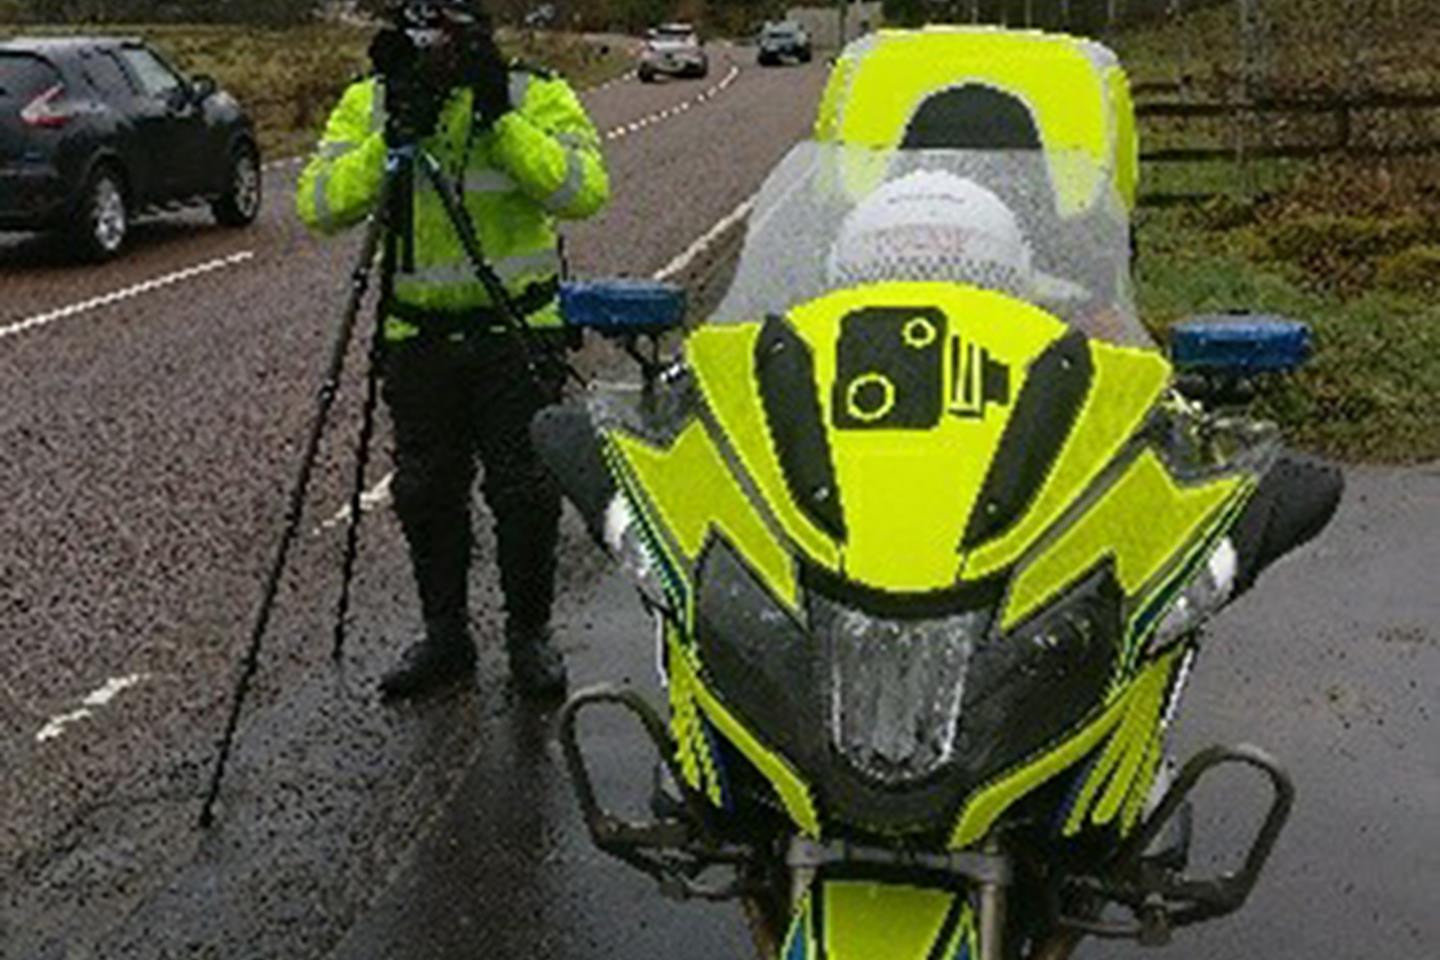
[
  {"x": 362, "y": 454},
  {"x": 359, "y": 285}
]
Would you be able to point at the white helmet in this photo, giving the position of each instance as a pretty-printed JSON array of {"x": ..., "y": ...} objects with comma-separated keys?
[{"x": 933, "y": 226}]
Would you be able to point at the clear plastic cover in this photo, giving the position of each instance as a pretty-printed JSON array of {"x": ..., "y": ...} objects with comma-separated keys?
[
  {"x": 895, "y": 688},
  {"x": 833, "y": 216}
]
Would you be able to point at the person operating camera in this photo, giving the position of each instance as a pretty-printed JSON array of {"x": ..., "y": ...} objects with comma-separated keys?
[{"x": 517, "y": 147}]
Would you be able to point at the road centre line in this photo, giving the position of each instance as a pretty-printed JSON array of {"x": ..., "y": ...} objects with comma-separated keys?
[
  {"x": 105, "y": 300},
  {"x": 625, "y": 130}
]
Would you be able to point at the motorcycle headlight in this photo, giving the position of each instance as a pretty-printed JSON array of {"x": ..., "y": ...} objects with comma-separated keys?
[{"x": 895, "y": 687}]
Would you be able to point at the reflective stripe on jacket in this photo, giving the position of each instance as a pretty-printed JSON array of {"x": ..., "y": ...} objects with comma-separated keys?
[{"x": 538, "y": 162}]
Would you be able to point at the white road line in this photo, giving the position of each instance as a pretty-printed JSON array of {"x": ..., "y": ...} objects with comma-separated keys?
[
  {"x": 95, "y": 303},
  {"x": 94, "y": 700},
  {"x": 376, "y": 496},
  {"x": 692, "y": 253}
]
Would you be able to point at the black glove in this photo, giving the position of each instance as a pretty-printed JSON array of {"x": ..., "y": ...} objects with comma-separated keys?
[{"x": 489, "y": 77}]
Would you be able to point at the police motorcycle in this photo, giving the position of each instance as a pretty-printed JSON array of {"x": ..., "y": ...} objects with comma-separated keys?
[{"x": 930, "y": 527}]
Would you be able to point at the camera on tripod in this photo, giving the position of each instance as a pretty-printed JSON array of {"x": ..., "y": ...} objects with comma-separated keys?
[{"x": 415, "y": 90}]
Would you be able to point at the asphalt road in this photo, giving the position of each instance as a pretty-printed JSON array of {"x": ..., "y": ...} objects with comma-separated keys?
[{"x": 148, "y": 442}]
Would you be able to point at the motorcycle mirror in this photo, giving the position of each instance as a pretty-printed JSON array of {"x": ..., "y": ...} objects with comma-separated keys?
[
  {"x": 1239, "y": 345},
  {"x": 623, "y": 308}
]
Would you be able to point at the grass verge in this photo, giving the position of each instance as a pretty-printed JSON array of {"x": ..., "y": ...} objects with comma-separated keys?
[{"x": 1370, "y": 393}]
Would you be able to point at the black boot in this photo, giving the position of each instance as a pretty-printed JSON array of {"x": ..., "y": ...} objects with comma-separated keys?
[
  {"x": 536, "y": 666},
  {"x": 443, "y": 657}
]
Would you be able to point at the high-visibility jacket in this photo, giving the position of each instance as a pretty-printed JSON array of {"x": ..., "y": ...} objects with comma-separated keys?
[{"x": 538, "y": 162}]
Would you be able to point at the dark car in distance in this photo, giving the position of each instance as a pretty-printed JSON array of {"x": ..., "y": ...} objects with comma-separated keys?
[
  {"x": 782, "y": 40},
  {"x": 96, "y": 131}
]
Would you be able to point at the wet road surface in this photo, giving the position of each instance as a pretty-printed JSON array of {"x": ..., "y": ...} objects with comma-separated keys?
[{"x": 148, "y": 443}]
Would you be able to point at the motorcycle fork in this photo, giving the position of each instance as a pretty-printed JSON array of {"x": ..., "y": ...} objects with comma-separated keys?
[{"x": 992, "y": 910}]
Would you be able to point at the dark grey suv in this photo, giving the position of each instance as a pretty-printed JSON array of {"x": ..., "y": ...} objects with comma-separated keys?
[{"x": 95, "y": 131}]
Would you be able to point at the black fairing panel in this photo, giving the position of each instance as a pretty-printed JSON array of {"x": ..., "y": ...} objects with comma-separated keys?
[
  {"x": 567, "y": 444},
  {"x": 757, "y": 656},
  {"x": 1028, "y": 688},
  {"x": 786, "y": 374},
  {"x": 1055, "y": 390}
]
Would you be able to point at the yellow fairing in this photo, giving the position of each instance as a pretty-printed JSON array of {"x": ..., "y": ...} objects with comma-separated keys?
[
  {"x": 908, "y": 493},
  {"x": 693, "y": 493},
  {"x": 1141, "y": 522},
  {"x": 915, "y": 488},
  {"x": 723, "y": 358},
  {"x": 1074, "y": 89},
  {"x": 865, "y": 920},
  {"x": 1127, "y": 384}
]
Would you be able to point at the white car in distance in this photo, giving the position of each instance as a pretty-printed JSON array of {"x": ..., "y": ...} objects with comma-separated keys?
[{"x": 673, "y": 49}]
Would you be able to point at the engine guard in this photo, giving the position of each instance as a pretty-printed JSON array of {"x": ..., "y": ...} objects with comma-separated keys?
[
  {"x": 1155, "y": 889},
  {"x": 676, "y": 851}
]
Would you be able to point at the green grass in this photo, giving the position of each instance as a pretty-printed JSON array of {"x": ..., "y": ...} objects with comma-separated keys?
[
  {"x": 290, "y": 79},
  {"x": 1351, "y": 247},
  {"x": 1372, "y": 390}
]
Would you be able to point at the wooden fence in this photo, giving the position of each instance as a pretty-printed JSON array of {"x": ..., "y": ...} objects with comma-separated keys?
[{"x": 1248, "y": 133}]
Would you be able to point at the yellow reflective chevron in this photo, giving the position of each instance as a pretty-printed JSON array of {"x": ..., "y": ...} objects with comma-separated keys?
[
  {"x": 907, "y": 493},
  {"x": 723, "y": 358},
  {"x": 692, "y": 492},
  {"x": 1074, "y": 89},
  {"x": 1126, "y": 385},
  {"x": 1143, "y": 520},
  {"x": 1123, "y": 759},
  {"x": 794, "y": 794},
  {"x": 692, "y": 748},
  {"x": 1138, "y": 703}
]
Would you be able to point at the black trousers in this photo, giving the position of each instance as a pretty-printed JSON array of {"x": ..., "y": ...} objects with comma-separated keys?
[{"x": 453, "y": 401}]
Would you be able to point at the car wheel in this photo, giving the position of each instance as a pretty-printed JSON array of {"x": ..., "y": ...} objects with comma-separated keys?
[
  {"x": 103, "y": 223},
  {"x": 765, "y": 60},
  {"x": 805, "y": 56},
  {"x": 240, "y": 204},
  {"x": 646, "y": 76}
]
